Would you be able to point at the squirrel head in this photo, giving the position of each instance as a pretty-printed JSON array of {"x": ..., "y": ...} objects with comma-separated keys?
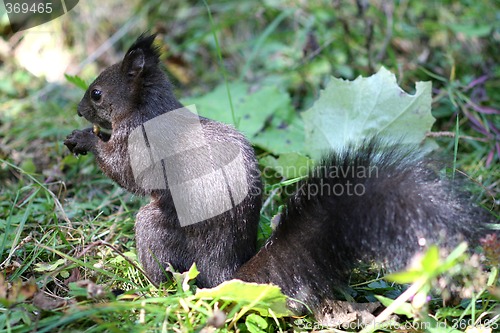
[{"x": 123, "y": 89}]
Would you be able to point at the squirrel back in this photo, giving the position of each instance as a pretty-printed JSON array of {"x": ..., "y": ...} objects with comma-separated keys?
[{"x": 369, "y": 202}]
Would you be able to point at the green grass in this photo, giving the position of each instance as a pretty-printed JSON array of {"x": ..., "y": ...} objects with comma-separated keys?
[{"x": 67, "y": 230}]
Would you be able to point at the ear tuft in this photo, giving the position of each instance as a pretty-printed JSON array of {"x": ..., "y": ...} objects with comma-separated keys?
[
  {"x": 145, "y": 43},
  {"x": 140, "y": 56}
]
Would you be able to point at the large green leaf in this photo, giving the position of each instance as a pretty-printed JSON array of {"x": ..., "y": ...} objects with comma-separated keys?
[
  {"x": 287, "y": 137},
  {"x": 349, "y": 111},
  {"x": 287, "y": 165},
  {"x": 257, "y": 297},
  {"x": 252, "y": 106}
]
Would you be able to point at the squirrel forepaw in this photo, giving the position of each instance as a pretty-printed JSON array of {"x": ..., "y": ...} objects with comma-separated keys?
[{"x": 79, "y": 142}]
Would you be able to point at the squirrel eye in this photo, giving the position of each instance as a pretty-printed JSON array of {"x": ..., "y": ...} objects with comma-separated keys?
[{"x": 96, "y": 95}]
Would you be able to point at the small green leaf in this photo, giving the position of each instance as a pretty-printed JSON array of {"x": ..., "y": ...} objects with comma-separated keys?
[
  {"x": 404, "y": 309},
  {"x": 471, "y": 30},
  {"x": 255, "y": 323},
  {"x": 430, "y": 261},
  {"x": 183, "y": 279},
  {"x": 193, "y": 272},
  {"x": 118, "y": 259},
  {"x": 449, "y": 312},
  {"x": 48, "y": 267},
  {"x": 77, "y": 291},
  {"x": 28, "y": 166},
  {"x": 77, "y": 81},
  {"x": 492, "y": 277},
  {"x": 64, "y": 274},
  {"x": 380, "y": 284},
  {"x": 404, "y": 277}
]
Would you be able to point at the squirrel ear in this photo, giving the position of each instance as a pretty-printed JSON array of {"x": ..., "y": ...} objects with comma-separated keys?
[
  {"x": 140, "y": 56},
  {"x": 133, "y": 63}
]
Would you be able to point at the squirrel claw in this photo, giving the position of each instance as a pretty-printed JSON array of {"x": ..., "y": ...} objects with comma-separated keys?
[{"x": 80, "y": 142}]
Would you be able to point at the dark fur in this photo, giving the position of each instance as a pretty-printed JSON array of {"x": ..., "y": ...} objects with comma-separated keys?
[
  {"x": 326, "y": 235},
  {"x": 319, "y": 238},
  {"x": 133, "y": 92}
]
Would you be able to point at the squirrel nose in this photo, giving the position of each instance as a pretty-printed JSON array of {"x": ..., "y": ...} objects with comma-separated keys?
[{"x": 78, "y": 111}]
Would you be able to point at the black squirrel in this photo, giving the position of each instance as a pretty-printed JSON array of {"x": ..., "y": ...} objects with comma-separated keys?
[{"x": 404, "y": 207}]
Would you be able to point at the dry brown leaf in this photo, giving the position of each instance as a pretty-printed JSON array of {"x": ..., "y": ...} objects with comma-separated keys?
[{"x": 46, "y": 302}]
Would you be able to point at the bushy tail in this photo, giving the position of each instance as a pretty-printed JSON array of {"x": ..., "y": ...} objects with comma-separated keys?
[{"x": 366, "y": 203}]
